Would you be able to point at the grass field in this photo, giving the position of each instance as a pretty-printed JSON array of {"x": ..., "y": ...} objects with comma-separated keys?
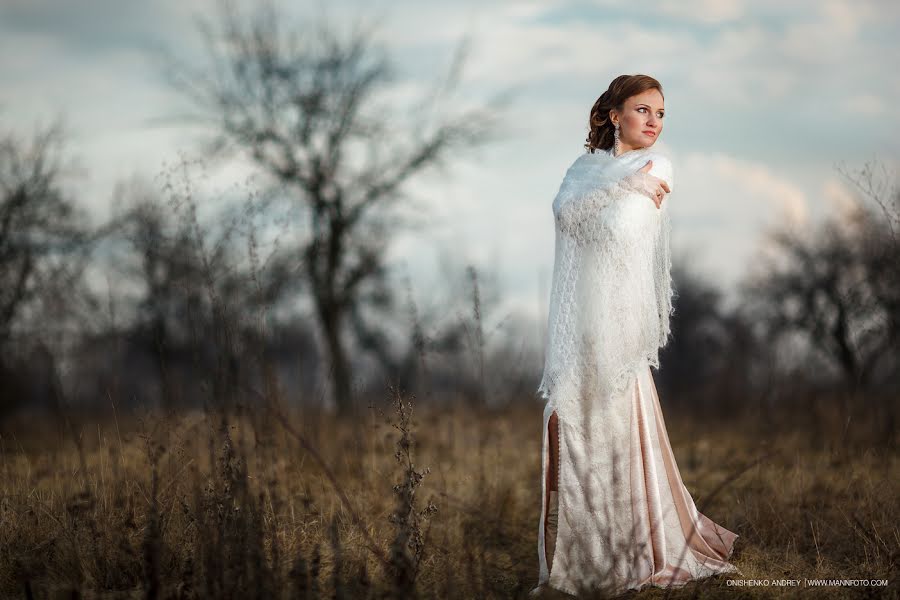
[{"x": 406, "y": 501}]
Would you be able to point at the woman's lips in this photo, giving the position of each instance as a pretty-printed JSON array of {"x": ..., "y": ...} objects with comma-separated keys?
[{"x": 650, "y": 133}]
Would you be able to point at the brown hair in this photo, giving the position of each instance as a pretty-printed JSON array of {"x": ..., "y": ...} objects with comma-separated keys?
[{"x": 600, "y": 127}]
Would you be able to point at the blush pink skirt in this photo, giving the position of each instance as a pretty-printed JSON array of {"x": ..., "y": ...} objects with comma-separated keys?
[{"x": 626, "y": 520}]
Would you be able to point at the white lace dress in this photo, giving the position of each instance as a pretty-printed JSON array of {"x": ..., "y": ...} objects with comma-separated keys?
[{"x": 626, "y": 519}]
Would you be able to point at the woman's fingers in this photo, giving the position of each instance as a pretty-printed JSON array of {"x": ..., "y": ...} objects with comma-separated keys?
[
  {"x": 648, "y": 185},
  {"x": 661, "y": 194},
  {"x": 646, "y": 169}
]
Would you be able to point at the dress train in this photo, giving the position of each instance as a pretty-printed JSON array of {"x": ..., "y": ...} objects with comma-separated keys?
[{"x": 626, "y": 520}]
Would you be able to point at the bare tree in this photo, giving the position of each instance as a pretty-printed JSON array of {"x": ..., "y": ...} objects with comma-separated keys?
[
  {"x": 878, "y": 224},
  {"x": 173, "y": 307},
  {"x": 304, "y": 107},
  {"x": 44, "y": 236},
  {"x": 836, "y": 286},
  {"x": 874, "y": 184},
  {"x": 197, "y": 299}
]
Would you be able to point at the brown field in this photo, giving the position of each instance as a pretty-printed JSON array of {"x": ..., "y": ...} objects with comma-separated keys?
[{"x": 127, "y": 506}]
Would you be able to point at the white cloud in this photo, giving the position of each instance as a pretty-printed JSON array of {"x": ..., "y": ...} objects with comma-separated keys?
[
  {"x": 866, "y": 104},
  {"x": 829, "y": 35},
  {"x": 705, "y": 11},
  {"x": 840, "y": 201},
  {"x": 848, "y": 18},
  {"x": 722, "y": 207}
]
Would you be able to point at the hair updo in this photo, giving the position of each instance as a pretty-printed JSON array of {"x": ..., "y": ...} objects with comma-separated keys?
[{"x": 600, "y": 127}]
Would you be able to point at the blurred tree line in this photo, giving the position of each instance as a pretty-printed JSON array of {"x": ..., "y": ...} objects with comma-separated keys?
[
  {"x": 817, "y": 320},
  {"x": 197, "y": 312}
]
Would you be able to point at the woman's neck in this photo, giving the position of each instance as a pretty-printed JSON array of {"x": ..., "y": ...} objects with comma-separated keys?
[{"x": 623, "y": 149}]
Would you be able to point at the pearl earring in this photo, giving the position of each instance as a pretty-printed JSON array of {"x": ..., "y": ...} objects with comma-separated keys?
[{"x": 616, "y": 140}]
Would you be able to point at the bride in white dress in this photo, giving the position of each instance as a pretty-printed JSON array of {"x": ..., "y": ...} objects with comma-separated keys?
[{"x": 615, "y": 514}]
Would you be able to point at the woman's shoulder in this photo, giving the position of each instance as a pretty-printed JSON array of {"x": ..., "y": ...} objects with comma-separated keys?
[
  {"x": 592, "y": 165},
  {"x": 598, "y": 155},
  {"x": 587, "y": 164}
]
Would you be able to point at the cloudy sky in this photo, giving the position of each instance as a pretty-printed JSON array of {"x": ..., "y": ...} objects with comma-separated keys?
[{"x": 764, "y": 100}]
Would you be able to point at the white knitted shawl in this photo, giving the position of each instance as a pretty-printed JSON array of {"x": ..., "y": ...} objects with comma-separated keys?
[{"x": 611, "y": 294}]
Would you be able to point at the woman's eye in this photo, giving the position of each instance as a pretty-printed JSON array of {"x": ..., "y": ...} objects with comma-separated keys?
[{"x": 660, "y": 115}]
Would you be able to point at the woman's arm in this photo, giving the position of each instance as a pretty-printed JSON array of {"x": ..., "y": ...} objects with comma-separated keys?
[
  {"x": 654, "y": 179},
  {"x": 577, "y": 216}
]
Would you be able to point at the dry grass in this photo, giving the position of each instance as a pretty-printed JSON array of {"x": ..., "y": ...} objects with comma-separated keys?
[{"x": 256, "y": 506}]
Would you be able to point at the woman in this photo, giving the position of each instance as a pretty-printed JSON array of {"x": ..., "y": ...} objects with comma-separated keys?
[{"x": 614, "y": 513}]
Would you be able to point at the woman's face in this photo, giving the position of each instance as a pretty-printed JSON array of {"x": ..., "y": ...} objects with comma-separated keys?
[{"x": 641, "y": 120}]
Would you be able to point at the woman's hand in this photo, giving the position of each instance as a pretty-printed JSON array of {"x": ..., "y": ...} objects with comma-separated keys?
[{"x": 644, "y": 183}]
